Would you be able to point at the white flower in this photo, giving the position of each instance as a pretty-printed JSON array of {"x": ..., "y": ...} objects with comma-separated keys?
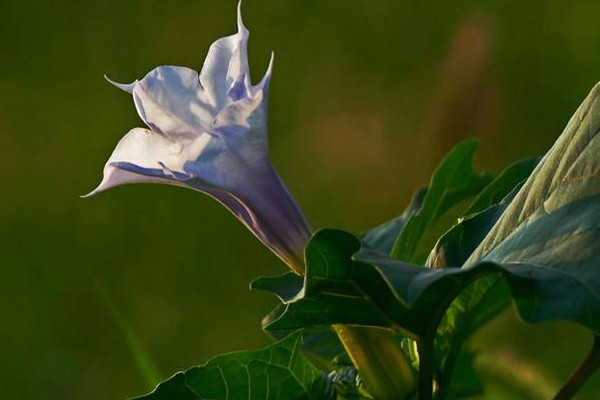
[{"x": 208, "y": 132}]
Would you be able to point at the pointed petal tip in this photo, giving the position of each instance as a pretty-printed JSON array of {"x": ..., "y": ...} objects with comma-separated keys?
[
  {"x": 127, "y": 87},
  {"x": 90, "y": 194},
  {"x": 110, "y": 178},
  {"x": 98, "y": 189},
  {"x": 264, "y": 82},
  {"x": 241, "y": 27},
  {"x": 271, "y": 61}
]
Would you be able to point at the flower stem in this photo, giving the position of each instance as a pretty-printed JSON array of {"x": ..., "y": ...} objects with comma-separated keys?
[
  {"x": 585, "y": 370},
  {"x": 425, "y": 346},
  {"x": 380, "y": 361}
]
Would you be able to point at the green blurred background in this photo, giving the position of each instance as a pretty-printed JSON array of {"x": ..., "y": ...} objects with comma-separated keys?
[{"x": 366, "y": 97}]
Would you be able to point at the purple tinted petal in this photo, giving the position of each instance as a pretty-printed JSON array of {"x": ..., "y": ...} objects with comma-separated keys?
[
  {"x": 238, "y": 89},
  {"x": 272, "y": 215},
  {"x": 164, "y": 172}
]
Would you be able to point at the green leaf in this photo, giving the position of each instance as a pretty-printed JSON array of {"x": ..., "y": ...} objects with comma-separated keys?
[
  {"x": 553, "y": 222},
  {"x": 277, "y": 372},
  {"x": 453, "y": 181},
  {"x": 475, "y": 305},
  {"x": 455, "y": 246},
  {"x": 503, "y": 185},
  {"x": 329, "y": 266},
  {"x": 320, "y": 345},
  {"x": 558, "y": 173},
  {"x": 568, "y": 173},
  {"x": 384, "y": 236},
  {"x": 341, "y": 288},
  {"x": 284, "y": 286},
  {"x": 484, "y": 298},
  {"x": 347, "y": 286},
  {"x": 546, "y": 244},
  {"x": 323, "y": 347}
]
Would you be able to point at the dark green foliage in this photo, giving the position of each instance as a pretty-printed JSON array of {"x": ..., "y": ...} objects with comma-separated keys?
[
  {"x": 389, "y": 293},
  {"x": 532, "y": 235},
  {"x": 277, "y": 372},
  {"x": 320, "y": 345},
  {"x": 501, "y": 186},
  {"x": 453, "y": 181},
  {"x": 284, "y": 286},
  {"x": 484, "y": 298}
]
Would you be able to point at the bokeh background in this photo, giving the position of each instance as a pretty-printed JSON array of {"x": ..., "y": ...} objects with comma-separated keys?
[{"x": 366, "y": 97}]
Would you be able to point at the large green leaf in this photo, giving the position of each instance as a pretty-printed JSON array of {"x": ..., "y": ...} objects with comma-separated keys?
[
  {"x": 553, "y": 222},
  {"x": 453, "y": 181},
  {"x": 546, "y": 244},
  {"x": 347, "y": 286},
  {"x": 484, "y": 298},
  {"x": 543, "y": 240},
  {"x": 277, "y": 372},
  {"x": 569, "y": 172}
]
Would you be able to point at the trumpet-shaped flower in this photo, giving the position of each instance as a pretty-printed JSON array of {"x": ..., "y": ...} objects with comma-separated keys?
[{"x": 208, "y": 132}]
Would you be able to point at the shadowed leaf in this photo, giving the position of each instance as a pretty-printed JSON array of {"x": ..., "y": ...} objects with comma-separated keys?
[
  {"x": 546, "y": 243},
  {"x": 484, "y": 298}
]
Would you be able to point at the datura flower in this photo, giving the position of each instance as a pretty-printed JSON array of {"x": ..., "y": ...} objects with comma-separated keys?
[{"x": 208, "y": 132}]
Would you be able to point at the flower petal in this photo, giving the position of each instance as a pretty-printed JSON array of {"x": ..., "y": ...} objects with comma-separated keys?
[
  {"x": 171, "y": 101},
  {"x": 114, "y": 176},
  {"x": 269, "y": 211},
  {"x": 208, "y": 132},
  {"x": 127, "y": 87},
  {"x": 264, "y": 83},
  {"x": 239, "y": 152},
  {"x": 226, "y": 63},
  {"x": 146, "y": 156}
]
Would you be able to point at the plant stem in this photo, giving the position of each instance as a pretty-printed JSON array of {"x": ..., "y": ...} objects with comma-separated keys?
[
  {"x": 425, "y": 346},
  {"x": 585, "y": 370}
]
